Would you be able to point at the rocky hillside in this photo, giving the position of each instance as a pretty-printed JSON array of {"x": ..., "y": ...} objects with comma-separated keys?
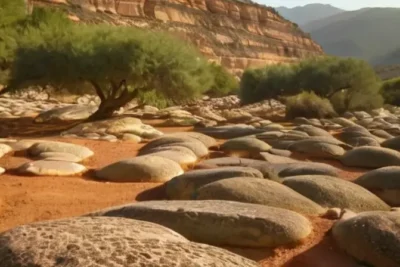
[{"x": 237, "y": 34}]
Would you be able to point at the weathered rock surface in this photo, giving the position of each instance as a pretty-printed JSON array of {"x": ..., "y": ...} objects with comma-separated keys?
[
  {"x": 276, "y": 159},
  {"x": 332, "y": 192},
  {"x": 4, "y": 149},
  {"x": 52, "y": 146},
  {"x": 383, "y": 182},
  {"x": 59, "y": 156},
  {"x": 313, "y": 148},
  {"x": 105, "y": 242},
  {"x": 371, "y": 237},
  {"x": 185, "y": 185},
  {"x": 140, "y": 169},
  {"x": 220, "y": 222},
  {"x": 371, "y": 157},
  {"x": 258, "y": 191},
  {"x": 51, "y": 168},
  {"x": 244, "y": 144},
  {"x": 392, "y": 143},
  {"x": 68, "y": 113},
  {"x": 230, "y": 131}
]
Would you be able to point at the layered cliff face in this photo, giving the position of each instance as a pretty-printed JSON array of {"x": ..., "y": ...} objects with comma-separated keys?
[{"x": 236, "y": 34}]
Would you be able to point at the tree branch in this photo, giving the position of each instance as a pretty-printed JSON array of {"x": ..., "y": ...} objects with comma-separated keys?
[{"x": 99, "y": 92}]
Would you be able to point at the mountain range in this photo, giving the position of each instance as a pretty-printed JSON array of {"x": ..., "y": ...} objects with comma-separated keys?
[{"x": 372, "y": 34}]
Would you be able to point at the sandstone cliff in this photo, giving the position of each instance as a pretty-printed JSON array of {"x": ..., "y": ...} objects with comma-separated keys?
[{"x": 236, "y": 34}]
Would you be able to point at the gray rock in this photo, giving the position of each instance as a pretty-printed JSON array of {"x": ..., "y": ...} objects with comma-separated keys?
[
  {"x": 51, "y": 168},
  {"x": 271, "y": 158},
  {"x": 383, "y": 182},
  {"x": 393, "y": 143},
  {"x": 141, "y": 169},
  {"x": 382, "y": 134},
  {"x": 317, "y": 149},
  {"x": 305, "y": 168},
  {"x": 230, "y": 131},
  {"x": 184, "y": 186},
  {"x": 312, "y": 130},
  {"x": 221, "y": 222},
  {"x": 105, "y": 242},
  {"x": 52, "y": 146},
  {"x": 332, "y": 192},
  {"x": 371, "y": 157},
  {"x": 68, "y": 113},
  {"x": 258, "y": 191},
  {"x": 244, "y": 144},
  {"x": 371, "y": 237},
  {"x": 208, "y": 141}
]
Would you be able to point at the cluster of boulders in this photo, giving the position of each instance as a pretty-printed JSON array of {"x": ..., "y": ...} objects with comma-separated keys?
[{"x": 238, "y": 185}]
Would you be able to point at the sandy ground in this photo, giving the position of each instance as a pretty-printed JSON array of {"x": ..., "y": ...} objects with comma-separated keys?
[{"x": 29, "y": 199}]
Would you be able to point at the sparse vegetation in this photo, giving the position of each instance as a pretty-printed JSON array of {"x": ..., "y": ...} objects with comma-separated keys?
[
  {"x": 350, "y": 84},
  {"x": 391, "y": 91},
  {"x": 308, "y": 105},
  {"x": 224, "y": 82}
]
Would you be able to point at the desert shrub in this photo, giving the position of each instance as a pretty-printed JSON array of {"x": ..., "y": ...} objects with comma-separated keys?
[
  {"x": 11, "y": 11},
  {"x": 325, "y": 76},
  {"x": 224, "y": 82},
  {"x": 308, "y": 105},
  {"x": 390, "y": 90},
  {"x": 153, "y": 98},
  {"x": 116, "y": 62}
]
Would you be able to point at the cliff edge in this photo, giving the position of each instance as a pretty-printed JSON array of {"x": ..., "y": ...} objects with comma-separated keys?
[{"x": 236, "y": 34}]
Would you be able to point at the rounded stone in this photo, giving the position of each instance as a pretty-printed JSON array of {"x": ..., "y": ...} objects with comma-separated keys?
[
  {"x": 59, "y": 156},
  {"x": 221, "y": 222},
  {"x": 258, "y": 191},
  {"x": 245, "y": 144},
  {"x": 371, "y": 237},
  {"x": 371, "y": 157},
  {"x": 106, "y": 241},
  {"x": 392, "y": 143},
  {"x": 184, "y": 186},
  {"x": 180, "y": 157},
  {"x": 131, "y": 138},
  {"x": 208, "y": 141},
  {"x": 317, "y": 149},
  {"x": 141, "y": 169},
  {"x": 51, "y": 146},
  {"x": 4, "y": 149},
  {"x": 383, "y": 182},
  {"x": 312, "y": 130},
  {"x": 332, "y": 192},
  {"x": 51, "y": 168}
]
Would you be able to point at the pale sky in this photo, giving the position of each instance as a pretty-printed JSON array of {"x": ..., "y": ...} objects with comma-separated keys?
[{"x": 344, "y": 4}]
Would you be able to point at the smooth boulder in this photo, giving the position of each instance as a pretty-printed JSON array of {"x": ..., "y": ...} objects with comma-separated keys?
[
  {"x": 317, "y": 149},
  {"x": 184, "y": 186},
  {"x": 51, "y": 168},
  {"x": 220, "y": 222},
  {"x": 332, "y": 192},
  {"x": 371, "y": 237},
  {"x": 258, "y": 191},
  {"x": 371, "y": 157},
  {"x": 52, "y": 146},
  {"x": 383, "y": 182},
  {"x": 140, "y": 169},
  {"x": 246, "y": 145}
]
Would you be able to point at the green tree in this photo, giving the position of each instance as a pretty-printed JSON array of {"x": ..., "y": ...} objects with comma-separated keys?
[
  {"x": 116, "y": 62},
  {"x": 391, "y": 91},
  {"x": 11, "y": 11},
  {"x": 308, "y": 105},
  {"x": 224, "y": 82}
]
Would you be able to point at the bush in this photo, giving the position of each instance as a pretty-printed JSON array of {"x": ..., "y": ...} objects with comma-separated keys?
[
  {"x": 154, "y": 98},
  {"x": 308, "y": 105},
  {"x": 224, "y": 82},
  {"x": 391, "y": 91},
  {"x": 11, "y": 11},
  {"x": 117, "y": 63},
  {"x": 325, "y": 76}
]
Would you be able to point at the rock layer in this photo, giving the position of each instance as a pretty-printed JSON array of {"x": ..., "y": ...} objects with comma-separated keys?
[{"x": 236, "y": 34}]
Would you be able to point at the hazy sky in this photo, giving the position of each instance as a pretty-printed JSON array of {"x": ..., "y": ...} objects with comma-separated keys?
[{"x": 344, "y": 4}]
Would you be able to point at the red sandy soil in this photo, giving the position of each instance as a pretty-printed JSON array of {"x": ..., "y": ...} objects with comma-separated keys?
[{"x": 29, "y": 199}]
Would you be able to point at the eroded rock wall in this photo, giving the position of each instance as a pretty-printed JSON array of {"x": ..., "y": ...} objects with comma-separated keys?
[{"x": 237, "y": 34}]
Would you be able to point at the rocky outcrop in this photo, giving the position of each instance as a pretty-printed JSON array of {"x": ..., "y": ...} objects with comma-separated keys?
[{"x": 237, "y": 34}]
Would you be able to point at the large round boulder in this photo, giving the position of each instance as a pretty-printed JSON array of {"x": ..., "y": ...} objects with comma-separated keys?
[
  {"x": 371, "y": 237},
  {"x": 332, "y": 192},
  {"x": 181, "y": 157},
  {"x": 244, "y": 145},
  {"x": 317, "y": 149},
  {"x": 230, "y": 131},
  {"x": 51, "y": 168},
  {"x": 140, "y": 169},
  {"x": 312, "y": 130},
  {"x": 220, "y": 222},
  {"x": 258, "y": 191},
  {"x": 208, "y": 141},
  {"x": 68, "y": 113},
  {"x": 52, "y": 146},
  {"x": 304, "y": 168},
  {"x": 105, "y": 241},
  {"x": 392, "y": 143},
  {"x": 185, "y": 185},
  {"x": 383, "y": 182},
  {"x": 371, "y": 157}
]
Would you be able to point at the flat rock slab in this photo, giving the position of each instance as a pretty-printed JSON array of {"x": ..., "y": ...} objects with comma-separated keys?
[
  {"x": 221, "y": 222},
  {"x": 245, "y": 144},
  {"x": 59, "y": 156},
  {"x": 371, "y": 237},
  {"x": 51, "y": 146},
  {"x": 230, "y": 131},
  {"x": 276, "y": 159},
  {"x": 105, "y": 242},
  {"x": 140, "y": 169},
  {"x": 318, "y": 149},
  {"x": 332, "y": 192},
  {"x": 51, "y": 168},
  {"x": 68, "y": 113},
  {"x": 371, "y": 157},
  {"x": 258, "y": 191},
  {"x": 184, "y": 186}
]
